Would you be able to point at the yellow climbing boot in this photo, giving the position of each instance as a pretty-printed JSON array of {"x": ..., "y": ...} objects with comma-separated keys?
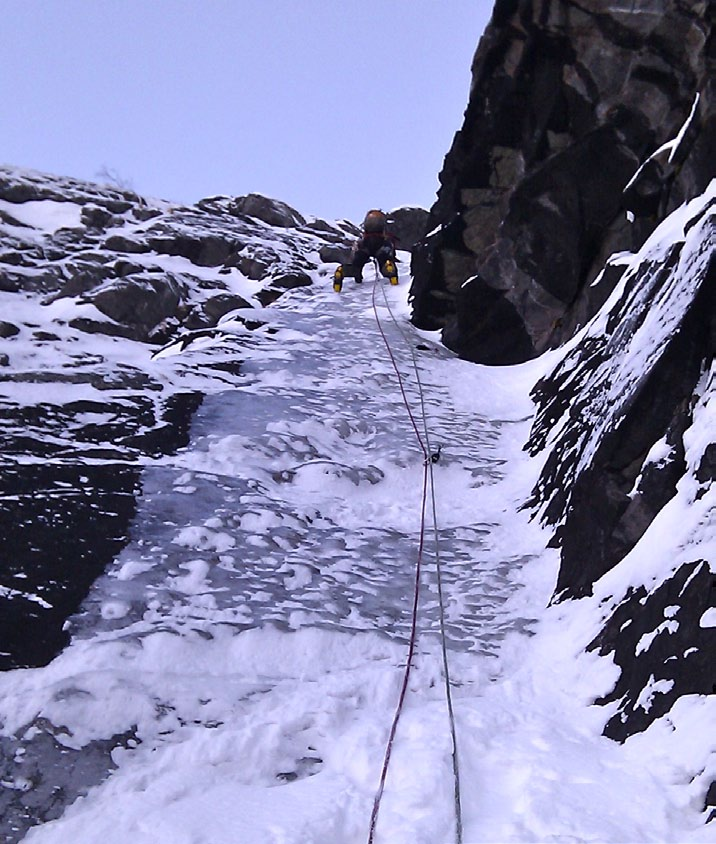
[
  {"x": 390, "y": 271},
  {"x": 338, "y": 279}
]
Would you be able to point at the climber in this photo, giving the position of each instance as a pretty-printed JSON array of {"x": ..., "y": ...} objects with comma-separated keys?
[{"x": 375, "y": 242}]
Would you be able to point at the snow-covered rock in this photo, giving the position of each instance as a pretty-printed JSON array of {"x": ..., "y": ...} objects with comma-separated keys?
[
  {"x": 93, "y": 281},
  {"x": 627, "y": 419}
]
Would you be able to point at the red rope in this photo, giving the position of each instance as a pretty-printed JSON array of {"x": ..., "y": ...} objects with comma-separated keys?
[
  {"x": 416, "y": 591},
  {"x": 406, "y": 674},
  {"x": 441, "y": 602}
]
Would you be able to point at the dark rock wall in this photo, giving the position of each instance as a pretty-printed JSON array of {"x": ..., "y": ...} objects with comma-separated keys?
[
  {"x": 589, "y": 127},
  {"x": 679, "y": 656},
  {"x": 408, "y": 225},
  {"x": 626, "y": 420},
  {"x": 568, "y": 98},
  {"x": 629, "y": 384}
]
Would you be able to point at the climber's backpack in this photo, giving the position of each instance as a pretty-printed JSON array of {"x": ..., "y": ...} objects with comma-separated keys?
[{"x": 375, "y": 222}]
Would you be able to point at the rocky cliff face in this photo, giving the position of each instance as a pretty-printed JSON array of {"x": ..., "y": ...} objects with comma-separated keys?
[
  {"x": 591, "y": 132},
  {"x": 627, "y": 421},
  {"x": 568, "y": 99}
]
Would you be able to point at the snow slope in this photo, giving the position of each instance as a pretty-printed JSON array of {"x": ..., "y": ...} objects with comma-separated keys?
[{"x": 241, "y": 658}]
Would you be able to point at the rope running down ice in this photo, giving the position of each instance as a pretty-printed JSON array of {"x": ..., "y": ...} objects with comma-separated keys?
[
  {"x": 439, "y": 575},
  {"x": 428, "y": 481}
]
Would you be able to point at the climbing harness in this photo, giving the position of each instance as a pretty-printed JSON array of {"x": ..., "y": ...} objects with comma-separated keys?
[{"x": 430, "y": 457}]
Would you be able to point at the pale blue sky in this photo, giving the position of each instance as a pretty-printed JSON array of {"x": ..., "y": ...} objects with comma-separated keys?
[{"x": 333, "y": 107}]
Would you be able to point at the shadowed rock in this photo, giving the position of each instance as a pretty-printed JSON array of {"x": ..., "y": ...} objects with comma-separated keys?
[
  {"x": 270, "y": 211},
  {"x": 567, "y": 100}
]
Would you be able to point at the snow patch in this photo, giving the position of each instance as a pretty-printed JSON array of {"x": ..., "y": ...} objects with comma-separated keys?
[{"x": 48, "y": 215}]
